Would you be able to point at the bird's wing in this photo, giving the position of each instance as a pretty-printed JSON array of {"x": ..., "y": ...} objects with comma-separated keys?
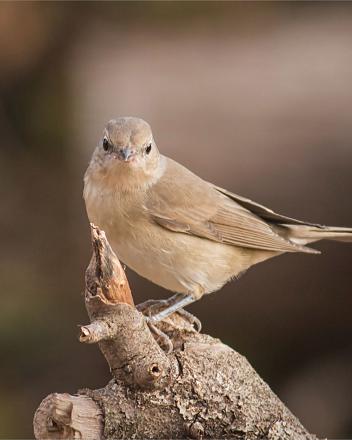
[
  {"x": 182, "y": 202},
  {"x": 262, "y": 211}
]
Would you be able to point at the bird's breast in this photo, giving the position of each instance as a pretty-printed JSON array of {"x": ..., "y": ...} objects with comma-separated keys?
[
  {"x": 176, "y": 261},
  {"x": 117, "y": 213}
]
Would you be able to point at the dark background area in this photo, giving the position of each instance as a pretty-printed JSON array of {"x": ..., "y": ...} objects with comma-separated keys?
[{"x": 255, "y": 97}]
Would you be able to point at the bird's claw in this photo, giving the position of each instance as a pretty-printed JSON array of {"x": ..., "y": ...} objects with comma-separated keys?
[
  {"x": 193, "y": 320},
  {"x": 161, "y": 338}
]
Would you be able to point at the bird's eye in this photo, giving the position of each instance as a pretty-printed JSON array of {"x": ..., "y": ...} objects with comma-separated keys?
[
  {"x": 106, "y": 144},
  {"x": 148, "y": 149}
]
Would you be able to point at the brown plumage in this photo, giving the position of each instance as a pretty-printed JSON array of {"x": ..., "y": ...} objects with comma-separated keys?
[
  {"x": 173, "y": 227},
  {"x": 214, "y": 216}
]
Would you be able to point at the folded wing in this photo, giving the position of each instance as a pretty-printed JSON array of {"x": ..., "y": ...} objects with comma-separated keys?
[{"x": 182, "y": 202}]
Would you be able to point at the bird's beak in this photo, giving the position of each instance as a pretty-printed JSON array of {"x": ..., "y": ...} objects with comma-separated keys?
[{"x": 126, "y": 154}]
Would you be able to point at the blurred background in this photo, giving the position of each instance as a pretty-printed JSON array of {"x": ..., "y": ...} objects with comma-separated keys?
[{"x": 255, "y": 97}]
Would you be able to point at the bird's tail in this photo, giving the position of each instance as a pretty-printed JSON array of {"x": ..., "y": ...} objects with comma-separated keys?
[{"x": 304, "y": 234}]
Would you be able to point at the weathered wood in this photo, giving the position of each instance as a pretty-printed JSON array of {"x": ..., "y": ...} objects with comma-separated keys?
[
  {"x": 62, "y": 416},
  {"x": 202, "y": 389}
]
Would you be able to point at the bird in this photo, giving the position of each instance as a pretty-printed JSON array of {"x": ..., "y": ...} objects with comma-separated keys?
[{"x": 176, "y": 229}]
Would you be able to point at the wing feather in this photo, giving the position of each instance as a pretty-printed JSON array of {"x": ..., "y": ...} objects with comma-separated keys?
[
  {"x": 182, "y": 202},
  {"x": 262, "y": 211}
]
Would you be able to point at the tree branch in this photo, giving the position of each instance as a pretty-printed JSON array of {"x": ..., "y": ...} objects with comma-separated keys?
[{"x": 202, "y": 389}]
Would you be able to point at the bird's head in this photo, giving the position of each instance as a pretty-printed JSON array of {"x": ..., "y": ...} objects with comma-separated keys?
[
  {"x": 128, "y": 142},
  {"x": 127, "y": 152}
]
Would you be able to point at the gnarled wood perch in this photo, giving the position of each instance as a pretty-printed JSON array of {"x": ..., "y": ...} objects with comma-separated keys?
[{"x": 202, "y": 389}]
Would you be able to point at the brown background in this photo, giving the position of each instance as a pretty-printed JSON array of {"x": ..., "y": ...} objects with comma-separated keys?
[{"x": 255, "y": 97}]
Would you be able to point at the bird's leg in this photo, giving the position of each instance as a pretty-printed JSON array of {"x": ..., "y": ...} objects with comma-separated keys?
[
  {"x": 172, "y": 305},
  {"x": 168, "y": 307},
  {"x": 153, "y": 306}
]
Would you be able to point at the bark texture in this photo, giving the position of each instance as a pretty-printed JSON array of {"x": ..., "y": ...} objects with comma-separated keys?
[{"x": 202, "y": 389}]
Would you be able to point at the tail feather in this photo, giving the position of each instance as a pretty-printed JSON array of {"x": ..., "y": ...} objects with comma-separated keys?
[{"x": 302, "y": 235}]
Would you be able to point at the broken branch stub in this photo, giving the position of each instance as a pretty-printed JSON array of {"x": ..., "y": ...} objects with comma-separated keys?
[
  {"x": 116, "y": 325},
  {"x": 62, "y": 416}
]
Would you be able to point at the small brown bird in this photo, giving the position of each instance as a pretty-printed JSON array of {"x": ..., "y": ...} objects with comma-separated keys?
[{"x": 177, "y": 230}]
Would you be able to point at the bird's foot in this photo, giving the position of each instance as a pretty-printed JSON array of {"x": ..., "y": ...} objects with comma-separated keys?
[
  {"x": 161, "y": 338},
  {"x": 193, "y": 320},
  {"x": 157, "y": 310},
  {"x": 145, "y": 306}
]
